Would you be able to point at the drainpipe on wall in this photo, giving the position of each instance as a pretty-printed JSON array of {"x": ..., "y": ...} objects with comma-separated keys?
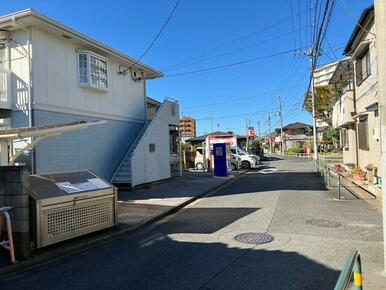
[{"x": 355, "y": 110}]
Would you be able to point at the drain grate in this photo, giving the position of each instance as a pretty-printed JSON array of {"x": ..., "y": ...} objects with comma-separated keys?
[
  {"x": 254, "y": 238},
  {"x": 324, "y": 223}
]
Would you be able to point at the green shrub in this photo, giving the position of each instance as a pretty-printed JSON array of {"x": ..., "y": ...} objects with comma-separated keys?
[{"x": 297, "y": 149}]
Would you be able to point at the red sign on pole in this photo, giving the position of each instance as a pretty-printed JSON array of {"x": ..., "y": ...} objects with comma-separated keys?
[{"x": 251, "y": 132}]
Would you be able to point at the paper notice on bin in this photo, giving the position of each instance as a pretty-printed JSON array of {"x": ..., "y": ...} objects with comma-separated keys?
[
  {"x": 84, "y": 186},
  {"x": 99, "y": 183},
  {"x": 67, "y": 187}
]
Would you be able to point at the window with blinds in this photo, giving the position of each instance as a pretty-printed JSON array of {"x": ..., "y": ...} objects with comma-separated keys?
[
  {"x": 92, "y": 70},
  {"x": 363, "y": 134}
]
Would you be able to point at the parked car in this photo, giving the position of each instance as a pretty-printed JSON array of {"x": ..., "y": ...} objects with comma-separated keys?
[
  {"x": 246, "y": 160},
  {"x": 199, "y": 161},
  {"x": 234, "y": 162}
]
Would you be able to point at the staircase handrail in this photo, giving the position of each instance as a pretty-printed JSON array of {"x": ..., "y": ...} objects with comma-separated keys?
[
  {"x": 128, "y": 151},
  {"x": 141, "y": 134}
]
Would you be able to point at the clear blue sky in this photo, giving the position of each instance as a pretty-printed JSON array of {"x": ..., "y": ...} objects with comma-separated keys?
[{"x": 206, "y": 33}]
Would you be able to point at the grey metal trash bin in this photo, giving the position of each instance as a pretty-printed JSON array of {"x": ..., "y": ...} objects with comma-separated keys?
[{"x": 68, "y": 205}]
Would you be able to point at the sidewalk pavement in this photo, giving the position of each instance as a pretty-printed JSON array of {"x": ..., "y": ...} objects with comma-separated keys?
[
  {"x": 136, "y": 208},
  {"x": 141, "y": 205}
]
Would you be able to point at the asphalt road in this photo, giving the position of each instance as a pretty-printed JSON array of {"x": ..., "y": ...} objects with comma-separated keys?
[{"x": 196, "y": 249}]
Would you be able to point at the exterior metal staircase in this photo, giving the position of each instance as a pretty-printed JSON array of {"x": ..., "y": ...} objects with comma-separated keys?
[{"x": 123, "y": 174}]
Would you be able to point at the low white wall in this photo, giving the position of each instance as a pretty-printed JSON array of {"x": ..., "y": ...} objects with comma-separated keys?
[{"x": 149, "y": 166}]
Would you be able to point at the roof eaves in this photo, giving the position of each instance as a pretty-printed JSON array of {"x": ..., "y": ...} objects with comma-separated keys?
[{"x": 357, "y": 29}]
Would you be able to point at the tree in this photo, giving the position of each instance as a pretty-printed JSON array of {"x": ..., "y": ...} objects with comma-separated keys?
[{"x": 325, "y": 99}]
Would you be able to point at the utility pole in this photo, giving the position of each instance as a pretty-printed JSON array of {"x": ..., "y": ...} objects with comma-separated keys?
[
  {"x": 211, "y": 122},
  {"x": 247, "y": 136},
  {"x": 380, "y": 28},
  {"x": 281, "y": 128},
  {"x": 258, "y": 128},
  {"x": 269, "y": 134},
  {"x": 312, "y": 54}
]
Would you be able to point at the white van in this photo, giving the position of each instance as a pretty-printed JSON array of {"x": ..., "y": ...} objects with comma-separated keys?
[{"x": 247, "y": 160}]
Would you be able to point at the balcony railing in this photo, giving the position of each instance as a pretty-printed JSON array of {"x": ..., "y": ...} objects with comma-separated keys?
[
  {"x": 5, "y": 89},
  {"x": 341, "y": 113}
]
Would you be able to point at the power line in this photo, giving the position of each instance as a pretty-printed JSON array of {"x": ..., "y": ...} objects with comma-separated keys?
[
  {"x": 156, "y": 37},
  {"x": 300, "y": 34},
  {"x": 232, "y": 64},
  {"x": 239, "y": 114},
  {"x": 293, "y": 23},
  {"x": 236, "y": 50},
  {"x": 332, "y": 51},
  {"x": 243, "y": 98},
  {"x": 262, "y": 29},
  {"x": 349, "y": 13}
]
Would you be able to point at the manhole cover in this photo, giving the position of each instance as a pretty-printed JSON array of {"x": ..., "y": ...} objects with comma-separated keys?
[
  {"x": 324, "y": 223},
  {"x": 254, "y": 238}
]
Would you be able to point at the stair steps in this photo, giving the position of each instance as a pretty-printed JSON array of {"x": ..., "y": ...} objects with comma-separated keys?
[{"x": 123, "y": 174}]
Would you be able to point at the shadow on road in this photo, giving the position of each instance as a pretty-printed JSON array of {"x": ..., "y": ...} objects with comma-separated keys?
[
  {"x": 159, "y": 262},
  {"x": 271, "y": 158},
  {"x": 205, "y": 220}
]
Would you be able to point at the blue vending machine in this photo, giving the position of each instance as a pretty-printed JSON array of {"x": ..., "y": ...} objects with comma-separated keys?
[{"x": 220, "y": 159}]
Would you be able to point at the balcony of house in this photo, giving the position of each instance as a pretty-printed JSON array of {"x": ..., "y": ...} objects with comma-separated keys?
[
  {"x": 5, "y": 89},
  {"x": 343, "y": 109}
]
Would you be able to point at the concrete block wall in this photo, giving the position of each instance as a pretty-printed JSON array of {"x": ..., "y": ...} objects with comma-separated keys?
[{"x": 13, "y": 180}]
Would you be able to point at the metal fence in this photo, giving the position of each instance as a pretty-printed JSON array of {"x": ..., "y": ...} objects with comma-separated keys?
[
  {"x": 331, "y": 176},
  {"x": 329, "y": 158},
  {"x": 351, "y": 274}
]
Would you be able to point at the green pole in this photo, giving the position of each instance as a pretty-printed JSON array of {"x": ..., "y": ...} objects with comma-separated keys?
[
  {"x": 325, "y": 172},
  {"x": 358, "y": 274},
  {"x": 328, "y": 176},
  {"x": 338, "y": 187}
]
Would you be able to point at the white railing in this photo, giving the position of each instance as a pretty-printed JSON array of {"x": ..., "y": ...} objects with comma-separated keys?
[
  {"x": 5, "y": 89},
  {"x": 299, "y": 155}
]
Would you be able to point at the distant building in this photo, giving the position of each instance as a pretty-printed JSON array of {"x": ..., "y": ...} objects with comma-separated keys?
[
  {"x": 321, "y": 78},
  {"x": 241, "y": 140},
  {"x": 294, "y": 134},
  {"x": 187, "y": 127},
  {"x": 296, "y": 129}
]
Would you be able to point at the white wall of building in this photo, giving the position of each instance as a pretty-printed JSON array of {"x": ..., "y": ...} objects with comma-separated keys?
[
  {"x": 153, "y": 166},
  {"x": 55, "y": 83},
  {"x": 19, "y": 67}
]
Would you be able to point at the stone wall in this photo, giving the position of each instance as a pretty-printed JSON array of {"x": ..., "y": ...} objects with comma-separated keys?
[{"x": 13, "y": 193}]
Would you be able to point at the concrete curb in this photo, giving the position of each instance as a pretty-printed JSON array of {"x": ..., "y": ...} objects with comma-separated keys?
[{"x": 57, "y": 254}]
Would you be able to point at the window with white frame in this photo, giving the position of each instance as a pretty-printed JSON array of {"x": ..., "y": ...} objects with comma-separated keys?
[{"x": 92, "y": 70}]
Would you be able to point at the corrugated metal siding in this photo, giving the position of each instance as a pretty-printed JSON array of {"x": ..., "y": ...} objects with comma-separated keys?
[{"x": 99, "y": 148}]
